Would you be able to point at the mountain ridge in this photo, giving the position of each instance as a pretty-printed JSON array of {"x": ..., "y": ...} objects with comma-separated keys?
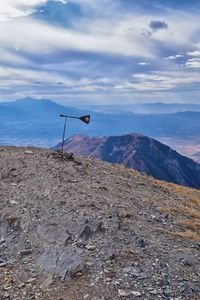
[{"x": 142, "y": 153}]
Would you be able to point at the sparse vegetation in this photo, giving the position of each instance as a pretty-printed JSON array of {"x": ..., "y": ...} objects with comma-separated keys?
[
  {"x": 108, "y": 221},
  {"x": 195, "y": 226},
  {"x": 186, "y": 212},
  {"x": 187, "y": 234}
]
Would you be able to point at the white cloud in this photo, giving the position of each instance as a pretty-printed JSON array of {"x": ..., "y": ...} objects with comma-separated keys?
[
  {"x": 48, "y": 39},
  {"x": 156, "y": 81},
  {"x": 9, "y": 57},
  {"x": 171, "y": 57},
  {"x": 193, "y": 63},
  {"x": 183, "y": 28},
  {"x": 62, "y": 1},
  {"x": 26, "y": 78},
  {"x": 9, "y": 74},
  {"x": 142, "y": 63},
  {"x": 18, "y": 8},
  {"x": 110, "y": 36},
  {"x": 194, "y": 53}
]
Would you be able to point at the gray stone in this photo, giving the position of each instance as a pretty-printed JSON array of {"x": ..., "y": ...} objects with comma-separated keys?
[
  {"x": 53, "y": 234},
  {"x": 136, "y": 293},
  {"x": 90, "y": 247},
  {"x": 163, "y": 281},
  {"x": 65, "y": 262},
  {"x": 188, "y": 262},
  {"x": 122, "y": 293},
  {"x": 86, "y": 232},
  {"x": 154, "y": 292},
  {"x": 2, "y": 240},
  {"x": 3, "y": 264},
  {"x": 141, "y": 242},
  {"x": 25, "y": 252},
  {"x": 6, "y": 295},
  {"x": 28, "y": 152},
  {"x": 168, "y": 292}
]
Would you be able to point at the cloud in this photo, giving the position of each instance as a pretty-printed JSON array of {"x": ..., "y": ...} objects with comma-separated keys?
[
  {"x": 194, "y": 53},
  {"x": 142, "y": 63},
  {"x": 194, "y": 59},
  {"x": 18, "y": 8},
  {"x": 8, "y": 57},
  {"x": 21, "y": 78},
  {"x": 160, "y": 80},
  {"x": 158, "y": 25},
  {"x": 47, "y": 39},
  {"x": 193, "y": 63},
  {"x": 21, "y": 8},
  {"x": 62, "y": 1},
  {"x": 172, "y": 57},
  {"x": 98, "y": 51},
  {"x": 107, "y": 36}
]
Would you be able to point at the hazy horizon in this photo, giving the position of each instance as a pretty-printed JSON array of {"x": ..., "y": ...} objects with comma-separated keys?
[{"x": 104, "y": 105}]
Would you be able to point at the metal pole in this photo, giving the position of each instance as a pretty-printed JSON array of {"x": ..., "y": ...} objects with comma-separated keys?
[{"x": 63, "y": 138}]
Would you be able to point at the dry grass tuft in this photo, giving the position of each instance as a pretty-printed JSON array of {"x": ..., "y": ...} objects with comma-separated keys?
[
  {"x": 196, "y": 202},
  {"x": 165, "y": 209},
  {"x": 182, "y": 203},
  {"x": 187, "y": 234},
  {"x": 189, "y": 212},
  {"x": 195, "y": 226},
  {"x": 185, "y": 209}
]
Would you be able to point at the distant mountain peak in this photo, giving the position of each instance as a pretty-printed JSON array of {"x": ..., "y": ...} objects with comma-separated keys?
[
  {"x": 26, "y": 99},
  {"x": 32, "y": 100}
]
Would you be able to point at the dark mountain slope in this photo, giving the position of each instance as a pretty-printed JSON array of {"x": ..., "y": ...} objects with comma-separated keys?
[{"x": 141, "y": 153}]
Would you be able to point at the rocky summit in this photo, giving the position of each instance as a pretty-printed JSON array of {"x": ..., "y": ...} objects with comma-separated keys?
[
  {"x": 80, "y": 229},
  {"x": 141, "y": 153}
]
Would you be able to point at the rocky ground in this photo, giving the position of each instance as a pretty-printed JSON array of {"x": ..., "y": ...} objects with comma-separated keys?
[{"x": 75, "y": 228}]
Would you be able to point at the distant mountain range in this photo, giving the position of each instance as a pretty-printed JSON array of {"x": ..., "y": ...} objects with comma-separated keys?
[
  {"x": 146, "y": 108},
  {"x": 139, "y": 152},
  {"x": 33, "y": 122},
  {"x": 37, "y": 122}
]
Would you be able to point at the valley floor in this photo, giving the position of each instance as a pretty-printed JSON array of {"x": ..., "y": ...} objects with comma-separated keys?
[{"x": 188, "y": 147}]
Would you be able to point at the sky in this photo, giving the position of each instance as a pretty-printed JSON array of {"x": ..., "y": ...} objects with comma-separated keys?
[{"x": 100, "y": 51}]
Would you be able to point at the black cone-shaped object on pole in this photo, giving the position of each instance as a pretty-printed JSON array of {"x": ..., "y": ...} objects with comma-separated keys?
[{"x": 85, "y": 119}]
